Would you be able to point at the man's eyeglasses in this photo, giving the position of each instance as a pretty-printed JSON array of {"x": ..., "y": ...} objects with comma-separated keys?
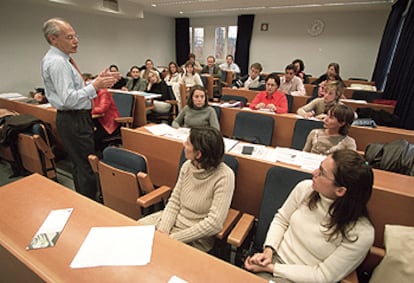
[{"x": 71, "y": 37}]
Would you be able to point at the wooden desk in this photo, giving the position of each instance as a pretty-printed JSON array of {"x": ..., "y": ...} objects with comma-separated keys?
[
  {"x": 47, "y": 115},
  {"x": 25, "y": 205},
  {"x": 285, "y": 123},
  {"x": 163, "y": 156}
]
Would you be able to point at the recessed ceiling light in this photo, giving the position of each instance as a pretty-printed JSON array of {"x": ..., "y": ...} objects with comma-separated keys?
[
  {"x": 181, "y": 12},
  {"x": 154, "y": 5}
]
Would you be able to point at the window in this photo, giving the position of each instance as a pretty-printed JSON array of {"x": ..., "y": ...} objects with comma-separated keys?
[
  {"x": 231, "y": 40},
  {"x": 219, "y": 43},
  {"x": 197, "y": 42}
]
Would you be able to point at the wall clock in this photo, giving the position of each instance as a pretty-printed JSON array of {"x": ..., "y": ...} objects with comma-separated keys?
[{"x": 316, "y": 28}]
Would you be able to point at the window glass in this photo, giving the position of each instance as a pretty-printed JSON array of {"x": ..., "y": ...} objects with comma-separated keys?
[
  {"x": 198, "y": 43},
  {"x": 231, "y": 40},
  {"x": 220, "y": 43}
]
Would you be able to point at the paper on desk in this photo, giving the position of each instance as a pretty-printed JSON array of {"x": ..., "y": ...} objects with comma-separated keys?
[
  {"x": 175, "y": 279},
  {"x": 306, "y": 160},
  {"x": 261, "y": 152},
  {"x": 116, "y": 246},
  {"x": 168, "y": 131},
  {"x": 50, "y": 230},
  {"x": 229, "y": 144},
  {"x": 10, "y": 95}
]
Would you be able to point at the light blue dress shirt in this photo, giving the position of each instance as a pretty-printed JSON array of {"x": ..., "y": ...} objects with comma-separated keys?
[{"x": 64, "y": 86}]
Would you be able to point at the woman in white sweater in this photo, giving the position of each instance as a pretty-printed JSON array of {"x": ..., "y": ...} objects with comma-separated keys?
[
  {"x": 322, "y": 232},
  {"x": 201, "y": 199},
  {"x": 334, "y": 135}
]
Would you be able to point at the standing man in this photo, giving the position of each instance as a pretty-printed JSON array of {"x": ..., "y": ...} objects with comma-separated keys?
[{"x": 66, "y": 91}]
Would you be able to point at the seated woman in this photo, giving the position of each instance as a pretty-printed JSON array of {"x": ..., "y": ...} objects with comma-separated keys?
[
  {"x": 201, "y": 199},
  {"x": 332, "y": 74},
  {"x": 300, "y": 68},
  {"x": 173, "y": 79},
  {"x": 322, "y": 232},
  {"x": 156, "y": 85},
  {"x": 197, "y": 112},
  {"x": 134, "y": 81},
  {"x": 190, "y": 78},
  {"x": 149, "y": 65},
  {"x": 104, "y": 106},
  {"x": 271, "y": 98},
  {"x": 319, "y": 106},
  {"x": 334, "y": 135}
]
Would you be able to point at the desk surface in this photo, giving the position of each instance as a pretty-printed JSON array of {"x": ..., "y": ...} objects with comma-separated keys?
[
  {"x": 163, "y": 156},
  {"x": 24, "y": 206}
]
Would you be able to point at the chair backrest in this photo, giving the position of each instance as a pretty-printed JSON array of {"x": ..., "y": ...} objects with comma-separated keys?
[
  {"x": 229, "y": 97},
  {"x": 302, "y": 130},
  {"x": 279, "y": 182},
  {"x": 118, "y": 178},
  {"x": 218, "y": 112},
  {"x": 290, "y": 101},
  {"x": 125, "y": 103},
  {"x": 253, "y": 127}
]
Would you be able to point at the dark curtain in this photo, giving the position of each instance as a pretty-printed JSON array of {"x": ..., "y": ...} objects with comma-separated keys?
[
  {"x": 244, "y": 36},
  {"x": 182, "y": 40},
  {"x": 400, "y": 82},
  {"x": 388, "y": 42}
]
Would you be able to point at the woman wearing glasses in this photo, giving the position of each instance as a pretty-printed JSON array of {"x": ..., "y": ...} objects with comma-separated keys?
[{"x": 322, "y": 232}]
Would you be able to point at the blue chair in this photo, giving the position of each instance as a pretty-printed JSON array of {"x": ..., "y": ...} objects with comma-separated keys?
[
  {"x": 278, "y": 184},
  {"x": 125, "y": 103},
  {"x": 290, "y": 101},
  {"x": 118, "y": 177},
  {"x": 254, "y": 128},
  {"x": 302, "y": 130}
]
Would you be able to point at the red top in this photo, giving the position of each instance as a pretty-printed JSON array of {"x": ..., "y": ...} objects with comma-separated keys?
[
  {"x": 104, "y": 104},
  {"x": 278, "y": 99}
]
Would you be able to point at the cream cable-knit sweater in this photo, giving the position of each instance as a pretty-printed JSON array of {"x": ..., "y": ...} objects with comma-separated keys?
[
  {"x": 296, "y": 234},
  {"x": 198, "y": 205}
]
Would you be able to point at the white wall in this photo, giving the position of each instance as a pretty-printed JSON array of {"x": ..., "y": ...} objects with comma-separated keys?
[
  {"x": 351, "y": 39},
  {"x": 104, "y": 40}
]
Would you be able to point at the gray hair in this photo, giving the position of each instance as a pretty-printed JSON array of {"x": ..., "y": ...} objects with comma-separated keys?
[{"x": 52, "y": 27}]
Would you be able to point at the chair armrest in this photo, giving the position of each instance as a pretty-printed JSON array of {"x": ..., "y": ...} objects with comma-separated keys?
[
  {"x": 145, "y": 182},
  {"x": 241, "y": 230},
  {"x": 154, "y": 197},
  {"x": 172, "y": 102},
  {"x": 351, "y": 278},
  {"x": 123, "y": 119},
  {"x": 231, "y": 219},
  {"x": 93, "y": 161},
  {"x": 41, "y": 145}
]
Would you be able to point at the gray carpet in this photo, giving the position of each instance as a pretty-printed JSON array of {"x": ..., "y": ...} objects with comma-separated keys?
[{"x": 64, "y": 175}]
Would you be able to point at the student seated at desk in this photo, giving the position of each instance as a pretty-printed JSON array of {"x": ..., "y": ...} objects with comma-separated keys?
[
  {"x": 332, "y": 74},
  {"x": 156, "y": 85},
  {"x": 105, "y": 125},
  {"x": 39, "y": 95},
  {"x": 322, "y": 232},
  {"x": 135, "y": 82},
  {"x": 201, "y": 198},
  {"x": 197, "y": 112},
  {"x": 190, "y": 77},
  {"x": 254, "y": 81},
  {"x": 319, "y": 106},
  {"x": 271, "y": 98},
  {"x": 334, "y": 135}
]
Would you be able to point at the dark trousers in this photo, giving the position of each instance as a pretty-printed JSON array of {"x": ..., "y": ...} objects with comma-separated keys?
[{"x": 76, "y": 131}]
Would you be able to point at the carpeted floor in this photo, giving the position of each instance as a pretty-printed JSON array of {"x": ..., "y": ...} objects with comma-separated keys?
[{"x": 64, "y": 175}]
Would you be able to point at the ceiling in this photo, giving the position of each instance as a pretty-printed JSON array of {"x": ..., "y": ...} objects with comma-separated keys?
[{"x": 207, "y": 8}]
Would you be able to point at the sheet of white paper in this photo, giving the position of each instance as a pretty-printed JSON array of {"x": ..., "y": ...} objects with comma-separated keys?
[
  {"x": 10, "y": 95},
  {"x": 311, "y": 161},
  {"x": 175, "y": 279},
  {"x": 50, "y": 230},
  {"x": 289, "y": 156},
  {"x": 116, "y": 246},
  {"x": 229, "y": 143}
]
